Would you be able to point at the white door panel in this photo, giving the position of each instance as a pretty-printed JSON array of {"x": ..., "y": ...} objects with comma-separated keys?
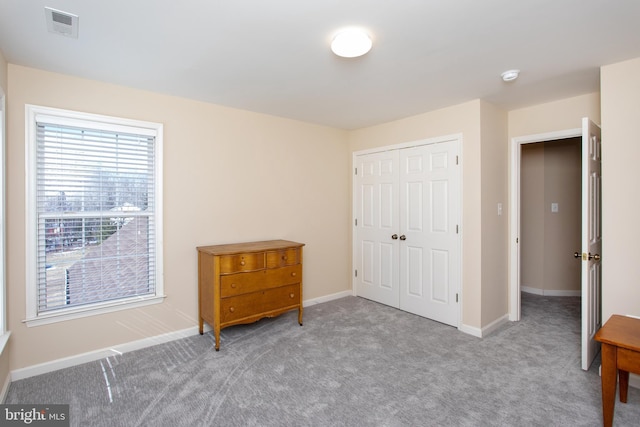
[
  {"x": 429, "y": 275},
  {"x": 376, "y": 210},
  {"x": 591, "y": 240}
]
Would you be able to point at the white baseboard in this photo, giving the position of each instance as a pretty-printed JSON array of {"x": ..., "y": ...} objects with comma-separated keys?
[
  {"x": 485, "y": 331},
  {"x": 78, "y": 359},
  {"x": 91, "y": 356},
  {"x": 471, "y": 330},
  {"x": 326, "y": 298},
  {"x": 550, "y": 293}
]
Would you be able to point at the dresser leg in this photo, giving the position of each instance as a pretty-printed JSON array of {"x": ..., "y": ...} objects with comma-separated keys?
[
  {"x": 201, "y": 326},
  {"x": 300, "y": 315},
  {"x": 216, "y": 333}
]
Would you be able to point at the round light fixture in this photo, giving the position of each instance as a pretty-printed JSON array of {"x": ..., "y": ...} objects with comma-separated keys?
[
  {"x": 510, "y": 75},
  {"x": 351, "y": 43}
]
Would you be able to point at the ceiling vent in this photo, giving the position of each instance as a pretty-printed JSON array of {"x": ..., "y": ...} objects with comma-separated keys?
[{"x": 62, "y": 23}]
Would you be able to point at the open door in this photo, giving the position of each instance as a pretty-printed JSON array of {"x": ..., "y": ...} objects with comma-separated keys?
[{"x": 591, "y": 240}]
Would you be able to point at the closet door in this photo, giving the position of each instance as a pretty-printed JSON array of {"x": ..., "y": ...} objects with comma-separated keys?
[
  {"x": 376, "y": 209},
  {"x": 430, "y": 249}
]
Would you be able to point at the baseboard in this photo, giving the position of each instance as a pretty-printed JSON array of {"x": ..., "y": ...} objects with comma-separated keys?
[
  {"x": 487, "y": 330},
  {"x": 91, "y": 356},
  {"x": 326, "y": 298},
  {"x": 550, "y": 293},
  {"x": 471, "y": 330}
]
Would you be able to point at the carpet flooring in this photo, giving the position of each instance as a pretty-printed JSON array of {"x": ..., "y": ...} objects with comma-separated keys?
[{"x": 353, "y": 363}]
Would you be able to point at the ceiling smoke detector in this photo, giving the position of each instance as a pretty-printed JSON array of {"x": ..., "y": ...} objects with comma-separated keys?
[
  {"x": 511, "y": 75},
  {"x": 63, "y": 23}
]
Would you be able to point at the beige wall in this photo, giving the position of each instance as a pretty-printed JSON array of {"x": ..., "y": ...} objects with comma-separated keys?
[
  {"x": 460, "y": 119},
  {"x": 620, "y": 85},
  {"x": 562, "y": 233},
  {"x": 229, "y": 175},
  {"x": 550, "y": 173},
  {"x": 554, "y": 116},
  {"x": 495, "y": 228},
  {"x": 532, "y": 207}
]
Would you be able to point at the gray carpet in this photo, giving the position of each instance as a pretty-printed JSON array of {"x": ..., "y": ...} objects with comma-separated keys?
[{"x": 353, "y": 363}]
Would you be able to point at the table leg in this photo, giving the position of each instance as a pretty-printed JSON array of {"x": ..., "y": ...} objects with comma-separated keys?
[
  {"x": 609, "y": 380},
  {"x": 624, "y": 385}
]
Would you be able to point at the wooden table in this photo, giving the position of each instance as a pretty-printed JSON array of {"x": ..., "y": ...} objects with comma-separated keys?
[{"x": 620, "y": 338}]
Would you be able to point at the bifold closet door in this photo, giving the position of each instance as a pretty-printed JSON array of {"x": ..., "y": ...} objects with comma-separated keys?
[
  {"x": 376, "y": 206},
  {"x": 407, "y": 244},
  {"x": 429, "y": 212}
]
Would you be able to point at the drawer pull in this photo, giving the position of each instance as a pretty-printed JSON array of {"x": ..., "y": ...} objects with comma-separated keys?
[
  {"x": 241, "y": 262},
  {"x": 284, "y": 257},
  {"x": 293, "y": 274},
  {"x": 292, "y": 295},
  {"x": 233, "y": 285},
  {"x": 231, "y": 309}
]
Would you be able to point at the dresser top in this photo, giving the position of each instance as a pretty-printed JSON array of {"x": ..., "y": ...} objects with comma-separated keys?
[{"x": 235, "y": 248}]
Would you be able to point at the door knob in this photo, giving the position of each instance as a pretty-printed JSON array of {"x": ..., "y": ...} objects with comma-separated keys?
[
  {"x": 394, "y": 237},
  {"x": 594, "y": 256},
  {"x": 577, "y": 255},
  {"x": 403, "y": 237}
]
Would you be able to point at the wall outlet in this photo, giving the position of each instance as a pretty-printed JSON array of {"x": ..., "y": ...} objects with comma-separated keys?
[{"x": 554, "y": 207}]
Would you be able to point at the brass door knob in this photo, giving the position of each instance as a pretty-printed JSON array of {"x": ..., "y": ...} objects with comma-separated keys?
[
  {"x": 594, "y": 256},
  {"x": 577, "y": 255}
]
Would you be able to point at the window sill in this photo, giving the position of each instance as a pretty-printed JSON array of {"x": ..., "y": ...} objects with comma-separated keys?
[
  {"x": 4, "y": 339},
  {"x": 87, "y": 311}
]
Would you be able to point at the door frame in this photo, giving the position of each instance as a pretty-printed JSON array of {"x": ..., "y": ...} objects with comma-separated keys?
[
  {"x": 514, "y": 209},
  {"x": 434, "y": 140}
]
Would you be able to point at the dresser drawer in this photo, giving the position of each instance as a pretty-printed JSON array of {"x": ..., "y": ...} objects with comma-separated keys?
[
  {"x": 242, "y": 283},
  {"x": 241, "y": 262},
  {"x": 247, "y": 305},
  {"x": 283, "y": 257}
]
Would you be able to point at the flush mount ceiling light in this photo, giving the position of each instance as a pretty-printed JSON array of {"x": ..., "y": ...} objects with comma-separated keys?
[
  {"x": 511, "y": 75},
  {"x": 351, "y": 43}
]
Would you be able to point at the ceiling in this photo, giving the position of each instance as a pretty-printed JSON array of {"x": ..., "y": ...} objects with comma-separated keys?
[{"x": 273, "y": 56}]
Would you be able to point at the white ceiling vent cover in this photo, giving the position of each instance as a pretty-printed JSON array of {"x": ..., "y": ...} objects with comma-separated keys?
[{"x": 63, "y": 23}]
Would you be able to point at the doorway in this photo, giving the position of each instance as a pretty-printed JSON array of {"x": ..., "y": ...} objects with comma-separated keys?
[
  {"x": 590, "y": 223},
  {"x": 550, "y": 210},
  {"x": 515, "y": 262}
]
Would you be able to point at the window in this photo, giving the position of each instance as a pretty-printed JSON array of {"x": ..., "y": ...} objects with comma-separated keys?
[{"x": 94, "y": 214}]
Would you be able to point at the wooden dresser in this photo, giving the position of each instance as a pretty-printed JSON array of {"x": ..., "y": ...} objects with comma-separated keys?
[{"x": 244, "y": 282}]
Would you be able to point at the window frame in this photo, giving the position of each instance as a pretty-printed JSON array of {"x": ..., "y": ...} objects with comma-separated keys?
[
  {"x": 32, "y": 114},
  {"x": 4, "y": 333}
]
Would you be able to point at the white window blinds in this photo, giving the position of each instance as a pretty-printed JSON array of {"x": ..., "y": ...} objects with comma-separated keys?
[{"x": 95, "y": 199}]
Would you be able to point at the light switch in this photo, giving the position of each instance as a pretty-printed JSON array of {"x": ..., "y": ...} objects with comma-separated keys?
[
  {"x": 499, "y": 209},
  {"x": 554, "y": 207}
]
